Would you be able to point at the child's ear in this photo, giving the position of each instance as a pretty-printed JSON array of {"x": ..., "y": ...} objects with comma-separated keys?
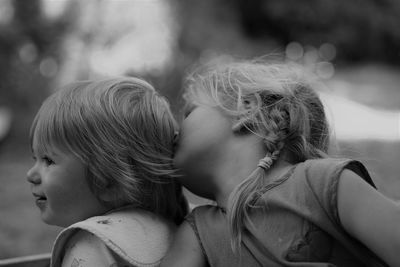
[{"x": 245, "y": 122}]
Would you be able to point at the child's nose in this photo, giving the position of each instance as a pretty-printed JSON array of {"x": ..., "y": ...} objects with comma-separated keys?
[{"x": 33, "y": 176}]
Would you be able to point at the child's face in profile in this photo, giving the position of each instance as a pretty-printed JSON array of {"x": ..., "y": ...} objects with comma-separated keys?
[
  {"x": 59, "y": 185},
  {"x": 205, "y": 132}
]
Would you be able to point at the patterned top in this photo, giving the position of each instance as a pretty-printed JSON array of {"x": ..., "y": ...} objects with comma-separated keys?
[{"x": 123, "y": 237}]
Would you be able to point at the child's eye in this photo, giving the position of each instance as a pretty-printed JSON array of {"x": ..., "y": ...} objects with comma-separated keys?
[{"x": 48, "y": 161}]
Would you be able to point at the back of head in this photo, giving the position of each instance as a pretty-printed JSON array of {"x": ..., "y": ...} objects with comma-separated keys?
[
  {"x": 275, "y": 101},
  {"x": 123, "y": 130}
]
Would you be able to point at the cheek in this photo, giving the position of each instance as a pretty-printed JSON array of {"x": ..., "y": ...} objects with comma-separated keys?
[
  {"x": 193, "y": 143},
  {"x": 203, "y": 136},
  {"x": 62, "y": 194},
  {"x": 67, "y": 188},
  {"x": 184, "y": 154},
  {"x": 197, "y": 151}
]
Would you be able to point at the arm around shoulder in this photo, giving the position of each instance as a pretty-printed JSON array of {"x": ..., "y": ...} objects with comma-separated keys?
[
  {"x": 185, "y": 250},
  {"x": 370, "y": 217},
  {"x": 86, "y": 249}
]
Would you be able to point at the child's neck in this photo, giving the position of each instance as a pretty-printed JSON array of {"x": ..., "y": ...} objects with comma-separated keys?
[{"x": 238, "y": 165}]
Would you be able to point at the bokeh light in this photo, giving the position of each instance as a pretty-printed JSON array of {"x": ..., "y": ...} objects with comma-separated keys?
[
  {"x": 327, "y": 51},
  {"x": 48, "y": 67},
  {"x": 294, "y": 51},
  {"x": 28, "y": 52},
  {"x": 324, "y": 69},
  {"x": 310, "y": 56}
]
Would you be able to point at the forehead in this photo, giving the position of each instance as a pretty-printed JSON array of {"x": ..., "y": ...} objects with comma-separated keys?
[
  {"x": 206, "y": 121},
  {"x": 40, "y": 146},
  {"x": 45, "y": 138},
  {"x": 48, "y": 129},
  {"x": 223, "y": 96}
]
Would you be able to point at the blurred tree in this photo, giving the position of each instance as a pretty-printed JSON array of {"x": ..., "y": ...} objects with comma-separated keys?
[
  {"x": 206, "y": 30},
  {"x": 354, "y": 31},
  {"x": 361, "y": 30},
  {"x": 30, "y": 55}
]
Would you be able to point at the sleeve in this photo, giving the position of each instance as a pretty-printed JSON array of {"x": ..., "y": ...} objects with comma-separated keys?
[
  {"x": 85, "y": 249},
  {"x": 322, "y": 177}
]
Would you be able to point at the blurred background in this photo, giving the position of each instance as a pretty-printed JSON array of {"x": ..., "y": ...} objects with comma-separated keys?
[{"x": 352, "y": 45}]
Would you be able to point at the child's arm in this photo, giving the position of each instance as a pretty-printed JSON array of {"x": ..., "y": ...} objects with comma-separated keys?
[
  {"x": 370, "y": 217},
  {"x": 85, "y": 249},
  {"x": 186, "y": 250}
]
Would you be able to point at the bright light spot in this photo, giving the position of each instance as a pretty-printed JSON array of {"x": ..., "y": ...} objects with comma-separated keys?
[
  {"x": 351, "y": 120},
  {"x": 54, "y": 8},
  {"x": 294, "y": 51},
  {"x": 28, "y": 53},
  {"x": 48, "y": 67},
  {"x": 132, "y": 52},
  {"x": 146, "y": 46},
  {"x": 5, "y": 121},
  {"x": 324, "y": 69},
  {"x": 6, "y": 11},
  {"x": 327, "y": 51}
]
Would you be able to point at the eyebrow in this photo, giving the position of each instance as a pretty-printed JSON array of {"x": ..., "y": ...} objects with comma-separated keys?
[{"x": 50, "y": 152}]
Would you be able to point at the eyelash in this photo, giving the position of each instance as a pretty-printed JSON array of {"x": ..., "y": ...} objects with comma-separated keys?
[
  {"x": 188, "y": 109},
  {"x": 47, "y": 160}
]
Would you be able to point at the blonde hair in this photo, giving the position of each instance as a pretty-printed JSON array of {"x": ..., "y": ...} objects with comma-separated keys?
[
  {"x": 123, "y": 131},
  {"x": 275, "y": 101}
]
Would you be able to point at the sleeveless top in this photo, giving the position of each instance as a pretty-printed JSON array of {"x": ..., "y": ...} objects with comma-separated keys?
[
  {"x": 298, "y": 224},
  {"x": 136, "y": 237}
]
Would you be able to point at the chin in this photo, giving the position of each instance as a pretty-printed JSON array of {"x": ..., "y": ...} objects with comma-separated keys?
[
  {"x": 48, "y": 221},
  {"x": 202, "y": 194},
  {"x": 51, "y": 220},
  {"x": 199, "y": 189}
]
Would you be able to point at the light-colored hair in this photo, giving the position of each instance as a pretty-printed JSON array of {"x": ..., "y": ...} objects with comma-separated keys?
[
  {"x": 275, "y": 101},
  {"x": 123, "y": 131}
]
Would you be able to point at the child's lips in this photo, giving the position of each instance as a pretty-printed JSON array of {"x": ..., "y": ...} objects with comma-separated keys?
[{"x": 40, "y": 200}]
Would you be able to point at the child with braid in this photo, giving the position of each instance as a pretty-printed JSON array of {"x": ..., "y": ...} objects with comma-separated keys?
[{"x": 255, "y": 140}]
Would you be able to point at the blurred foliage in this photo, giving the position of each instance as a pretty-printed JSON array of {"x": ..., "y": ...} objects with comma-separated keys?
[
  {"x": 361, "y": 30},
  {"x": 30, "y": 52},
  {"x": 35, "y": 48}
]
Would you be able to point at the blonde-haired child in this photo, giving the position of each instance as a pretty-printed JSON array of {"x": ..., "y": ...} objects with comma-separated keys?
[
  {"x": 255, "y": 140},
  {"x": 103, "y": 169}
]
